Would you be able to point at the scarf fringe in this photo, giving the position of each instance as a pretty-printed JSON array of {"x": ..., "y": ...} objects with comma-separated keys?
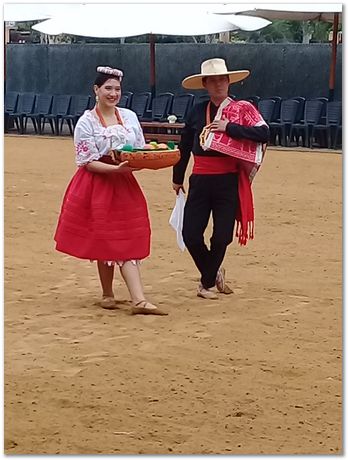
[{"x": 244, "y": 232}]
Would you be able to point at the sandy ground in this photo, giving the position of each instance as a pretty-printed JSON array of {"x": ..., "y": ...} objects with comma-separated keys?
[{"x": 255, "y": 372}]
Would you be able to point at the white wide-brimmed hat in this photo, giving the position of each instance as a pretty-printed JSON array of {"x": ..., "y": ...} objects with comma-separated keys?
[{"x": 210, "y": 68}]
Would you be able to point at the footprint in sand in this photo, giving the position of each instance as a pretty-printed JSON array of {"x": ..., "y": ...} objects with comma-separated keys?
[
  {"x": 296, "y": 296},
  {"x": 303, "y": 302},
  {"x": 147, "y": 347},
  {"x": 177, "y": 272},
  {"x": 273, "y": 290},
  {"x": 282, "y": 313},
  {"x": 302, "y": 299},
  {"x": 92, "y": 360},
  {"x": 67, "y": 372},
  {"x": 201, "y": 335},
  {"x": 117, "y": 337},
  {"x": 97, "y": 354},
  {"x": 237, "y": 290}
]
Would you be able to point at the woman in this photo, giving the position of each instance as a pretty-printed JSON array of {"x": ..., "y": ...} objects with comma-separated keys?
[{"x": 104, "y": 215}]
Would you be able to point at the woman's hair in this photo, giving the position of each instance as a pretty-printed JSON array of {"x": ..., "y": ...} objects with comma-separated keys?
[{"x": 103, "y": 77}]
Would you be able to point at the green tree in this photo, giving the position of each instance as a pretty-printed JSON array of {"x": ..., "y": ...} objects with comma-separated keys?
[{"x": 281, "y": 31}]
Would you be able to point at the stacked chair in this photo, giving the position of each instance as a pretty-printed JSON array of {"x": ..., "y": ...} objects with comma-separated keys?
[
  {"x": 24, "y": 107},
  {"x": 60, "y": 108},
  {"x": 141, "y": 104},
  {"x": 78, "y": 105},
  {"x": 267, "y": 108},
  {"x": 289, "y": 114},
  {"x": 304, "y": 128},
  {"x": 42, "y": 107},
  {"x": 293, "y": 121},
  {"x": 161, "y": 107},
  {"x": 253, "y": 100},
  {"x": 182, "y": 104},
  {"x": 11, "y": 99},
  {"x": 332, "y": 126}
]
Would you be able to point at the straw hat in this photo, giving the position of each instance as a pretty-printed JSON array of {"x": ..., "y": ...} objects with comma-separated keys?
[{"x": 210, "y": 68}]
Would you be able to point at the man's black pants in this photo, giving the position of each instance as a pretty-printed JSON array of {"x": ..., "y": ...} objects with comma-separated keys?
[{"x": 216, "y": 194}]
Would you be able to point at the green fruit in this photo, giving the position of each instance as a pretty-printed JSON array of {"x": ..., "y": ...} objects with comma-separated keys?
[{"x": 127, "y": 148}]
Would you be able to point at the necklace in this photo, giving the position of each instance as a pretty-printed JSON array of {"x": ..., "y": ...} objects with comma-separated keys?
[
  {"x": 101, "y": 118},
  {"x": 102, "y": 121},
  {"x": 205, "y": 131},
  {"x": 207, "y": 114}
]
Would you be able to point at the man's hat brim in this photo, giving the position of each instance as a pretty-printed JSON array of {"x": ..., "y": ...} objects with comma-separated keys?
[{"x": 196, "y": 81}]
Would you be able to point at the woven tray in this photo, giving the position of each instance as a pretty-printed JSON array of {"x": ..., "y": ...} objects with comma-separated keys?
[{"x": 151, "y": 159}]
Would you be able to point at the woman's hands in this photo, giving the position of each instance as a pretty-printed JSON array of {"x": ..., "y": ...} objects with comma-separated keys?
[
  {"x": 106, "y": 168},
  {"x": 118, "y": 162},
  {"x": 122, "y": 167}
]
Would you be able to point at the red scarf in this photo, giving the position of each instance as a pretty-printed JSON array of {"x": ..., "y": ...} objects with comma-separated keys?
[{"x": 245, "y": 212}]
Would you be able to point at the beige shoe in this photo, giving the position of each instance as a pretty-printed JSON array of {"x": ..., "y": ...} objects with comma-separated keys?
[
  {"x": 206, "y": 293},
  {"x": 108, "y": 303},
  {"x": 220, "y": 282},
  {"x": 146, "y": 308}
]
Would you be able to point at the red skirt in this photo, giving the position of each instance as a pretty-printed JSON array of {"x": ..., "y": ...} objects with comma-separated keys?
[{"x": 104, "y": 217}]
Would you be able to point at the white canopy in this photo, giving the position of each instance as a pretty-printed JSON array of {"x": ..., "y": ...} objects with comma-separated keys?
[
  {"x": 286, "y": 11},
  {"x": 18, "y": 12},
  {"x": 125, "y": 20}
]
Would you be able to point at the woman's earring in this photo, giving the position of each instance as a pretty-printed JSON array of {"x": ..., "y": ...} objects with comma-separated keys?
[{"x": 96, "y": 99}]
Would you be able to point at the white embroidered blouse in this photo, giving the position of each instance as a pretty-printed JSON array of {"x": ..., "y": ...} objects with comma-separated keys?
[{"x": 92, "y": 140}]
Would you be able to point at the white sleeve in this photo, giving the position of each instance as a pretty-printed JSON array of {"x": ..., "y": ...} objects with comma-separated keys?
[
  {"x": 139, "y": 135},
  {"x": 84, "y": 140}
]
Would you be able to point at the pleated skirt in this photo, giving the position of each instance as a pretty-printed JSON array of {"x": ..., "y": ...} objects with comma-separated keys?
[{"x": 104, "y": 217}]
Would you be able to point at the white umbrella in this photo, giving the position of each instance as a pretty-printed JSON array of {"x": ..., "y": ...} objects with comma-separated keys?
[
  {"x": 301, "y": 12},
  {"x": 125, "y": 20}
]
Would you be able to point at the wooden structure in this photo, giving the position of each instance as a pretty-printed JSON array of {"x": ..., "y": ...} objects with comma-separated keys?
[{"x": 162, "y": 132}]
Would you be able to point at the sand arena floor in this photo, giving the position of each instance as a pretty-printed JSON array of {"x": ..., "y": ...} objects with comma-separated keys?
[{"x": 255, "y": 372}]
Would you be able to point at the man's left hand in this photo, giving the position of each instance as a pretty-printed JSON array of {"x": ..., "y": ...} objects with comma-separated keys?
[{"x": 218, "y": 125}]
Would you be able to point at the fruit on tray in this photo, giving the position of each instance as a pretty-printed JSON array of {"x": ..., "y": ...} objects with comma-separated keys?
[
  {"x": 150, "y": 146},
  {"x": 127, "y": 148}
]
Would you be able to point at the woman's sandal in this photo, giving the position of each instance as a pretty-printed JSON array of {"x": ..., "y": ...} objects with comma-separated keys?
[
  {"x": 141, "y": 308},
  {"x": 108, "y": 303}
]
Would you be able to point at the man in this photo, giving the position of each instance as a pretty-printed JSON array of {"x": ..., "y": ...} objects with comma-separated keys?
[{"x": 218, "y": 184}]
